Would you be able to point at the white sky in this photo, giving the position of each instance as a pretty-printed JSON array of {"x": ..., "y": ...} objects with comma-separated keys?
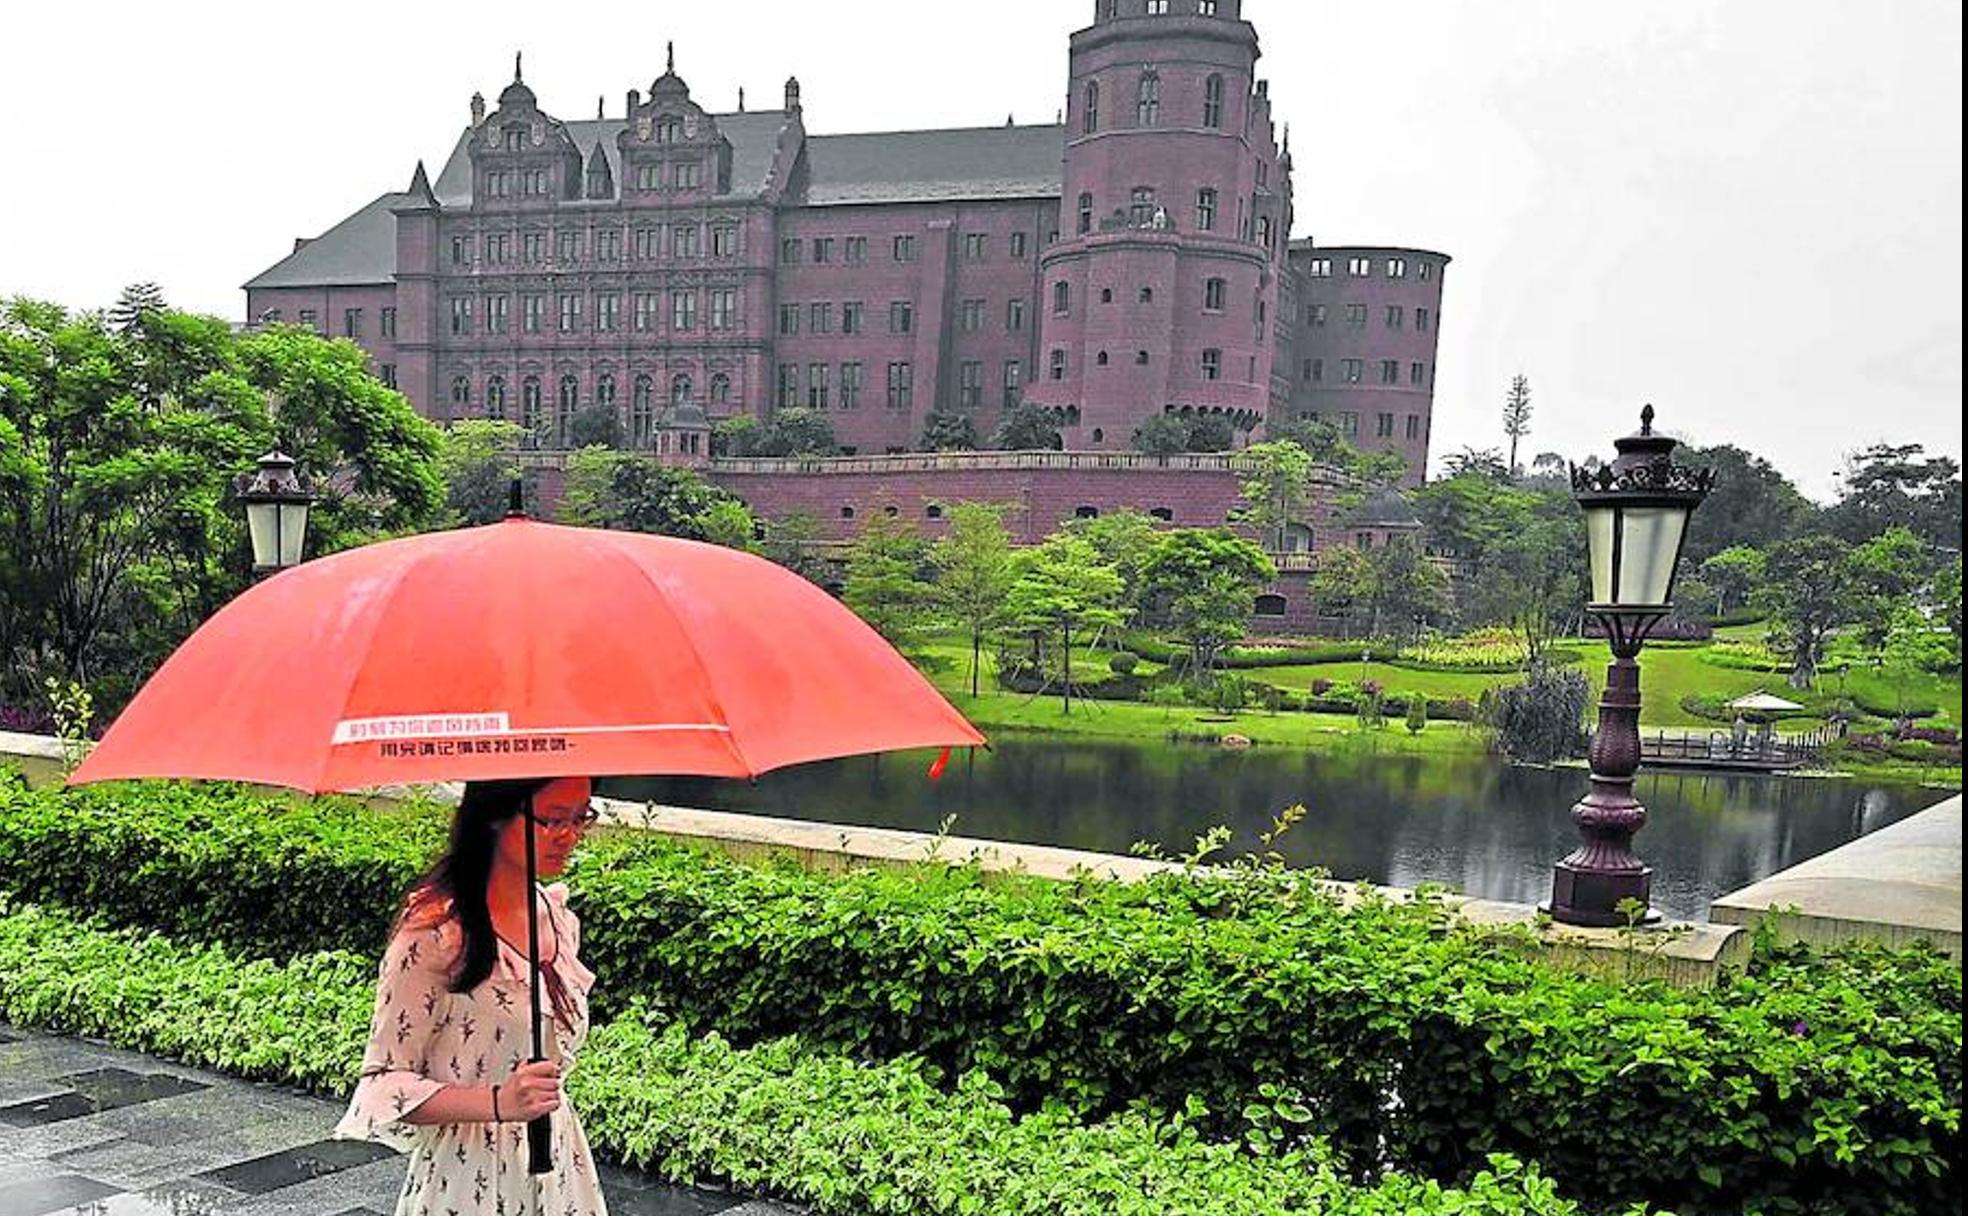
[{"x": 1745, "y": 211}]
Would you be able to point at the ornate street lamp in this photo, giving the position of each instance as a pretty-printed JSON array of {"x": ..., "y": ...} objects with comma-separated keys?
[
  {"x": 276, "y": 513},
  {"x": 1636, "y": 519}
]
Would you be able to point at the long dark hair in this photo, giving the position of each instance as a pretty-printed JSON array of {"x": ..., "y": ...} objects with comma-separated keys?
[{"x": 455, "y": 884}]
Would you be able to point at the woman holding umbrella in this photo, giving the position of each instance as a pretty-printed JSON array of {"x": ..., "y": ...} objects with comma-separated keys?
[{"x": 446, "y": 1076}]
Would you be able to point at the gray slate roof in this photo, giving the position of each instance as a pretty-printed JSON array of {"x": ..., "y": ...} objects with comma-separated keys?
[
  {"x": 1385, "y": 507},
  {"x": 889, "y": 167},
  {"x": 359, "y": 250}
]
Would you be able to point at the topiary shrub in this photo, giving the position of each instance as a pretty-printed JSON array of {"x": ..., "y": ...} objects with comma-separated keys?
[
  {"x": 1124, "y": 663},
  {"x": 1542, "y": 719}
]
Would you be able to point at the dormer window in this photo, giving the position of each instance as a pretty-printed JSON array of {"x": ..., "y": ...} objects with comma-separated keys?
[
  {"x": 669, "y": 130},
  {"x": 514, "y": 138}
]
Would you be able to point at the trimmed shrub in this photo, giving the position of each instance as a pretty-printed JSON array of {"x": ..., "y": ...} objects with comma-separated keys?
[
  {"x": 1542, "y": 719},
  {"x": 1123, "y": 663}
]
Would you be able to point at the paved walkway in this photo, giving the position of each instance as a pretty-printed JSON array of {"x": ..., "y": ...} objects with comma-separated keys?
[{"x": 87, "y": 1130}]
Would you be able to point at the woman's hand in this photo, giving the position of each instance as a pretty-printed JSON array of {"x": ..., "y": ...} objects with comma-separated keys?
[{"x": 532, "y": 1090}]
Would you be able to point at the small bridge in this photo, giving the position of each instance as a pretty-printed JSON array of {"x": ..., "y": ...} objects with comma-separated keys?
[{"x": 1721, "y": 749}]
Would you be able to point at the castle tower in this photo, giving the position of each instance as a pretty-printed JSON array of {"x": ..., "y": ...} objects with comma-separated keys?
[{"x": 1161, "y": 293}]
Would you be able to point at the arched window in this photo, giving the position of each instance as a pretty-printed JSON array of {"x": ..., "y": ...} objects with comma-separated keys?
[
  {"x": 1165, "y": 514},
  {"x": 1100, "y": 360},
  {"x": 565, "y": 404},
  {"x": 1086, "y": 512},
  {"x": 1086, "y": 214},
  {"x": 1148, "y": 101},
  {"x": 1270, "y": 606},
  {"x": 460, "y": 393},
  {"x": 605, "y": 390},
  {"x": 530, "y": 407},
  {"x": 1090, "y": 109},
  {"x": 642, "y": 412},
  {"x": 720, "y": 389},
  {"x": 1141, "y": 206},
  {"x": 1213, "y": 102},
  {"x": 680, "y": 388},
  {"x": 668, "y": 130},
  {"x": 1059, "y": 365},
  {"x": 495, "y": 398},
  {"x": 1062, "y": 298}
]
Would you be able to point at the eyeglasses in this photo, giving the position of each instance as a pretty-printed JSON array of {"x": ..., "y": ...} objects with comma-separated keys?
[{"x": 580, "y": 822}]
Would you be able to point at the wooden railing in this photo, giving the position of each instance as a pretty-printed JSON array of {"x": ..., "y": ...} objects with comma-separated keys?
[{"x": 1724, "y": 747}]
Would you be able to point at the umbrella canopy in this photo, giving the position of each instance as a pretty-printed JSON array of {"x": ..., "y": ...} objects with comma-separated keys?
[
  {"x": 523, "y": 649},
  {"x": 1763, "y": 701}
]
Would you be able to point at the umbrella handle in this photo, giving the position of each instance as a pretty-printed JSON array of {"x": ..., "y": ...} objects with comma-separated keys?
[
  {"x": 539, "y": 1145},
  {"x": 539, "y": 1137}
]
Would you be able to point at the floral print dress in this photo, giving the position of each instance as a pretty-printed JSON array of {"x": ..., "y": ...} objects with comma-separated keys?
[{"x": 425, "y": 1037}]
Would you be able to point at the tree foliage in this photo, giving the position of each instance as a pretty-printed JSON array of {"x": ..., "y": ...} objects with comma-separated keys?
[
  {"x": 945, "y": 431},
  {"x": 1732, "y": 574},
  {"x": 1752, "y": 505},
  {"x": 1899, "y": 486},
  {"x": 475, "y": 462},
  {"x": 1279, "y": 491},
  {"x": 632, "y": 492},
  {"x": 1060, "y": 588},
  {"x": 1026, "y": 427},
  {"x": 886, "y": 583},
  {"x": 796, "y": 432},
  {"x": 973, "y": 574},
  {"x": 1542, "y": 719},
  {"x": 1202, "y": 585},
  {"x": 1807, "y": 594},
  {"x": 1516, "y": 417}
]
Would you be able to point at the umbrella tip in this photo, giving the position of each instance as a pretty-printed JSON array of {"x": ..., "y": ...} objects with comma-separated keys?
[{"x": 516, "y": 502}]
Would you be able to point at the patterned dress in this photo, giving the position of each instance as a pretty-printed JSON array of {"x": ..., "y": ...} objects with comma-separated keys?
[{"x": 425, "y": 1037}]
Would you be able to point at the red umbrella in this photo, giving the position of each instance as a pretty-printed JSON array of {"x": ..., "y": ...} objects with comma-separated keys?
[{"x": 523, "y": 649}]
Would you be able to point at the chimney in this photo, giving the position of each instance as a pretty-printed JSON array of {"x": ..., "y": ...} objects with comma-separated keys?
[
  {"x": 478, "y": 110},
  {"x": 741, "y": 99},
  {"x": 635, "y": 100},
  {"x": 793, "y": 94}
]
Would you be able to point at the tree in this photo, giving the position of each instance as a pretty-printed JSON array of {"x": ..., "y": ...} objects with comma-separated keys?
[
  {"x": 1913, "y": 647},
  {"x": 1889, "y": 485},
  {"x": 1061, "y": 585},
  {"x": 632, "y": 492},
  {"x": 1323, "y": 442},
  {"x": 948, "y": 432},
  {"x": 1162, "y": 435},
  {"x": 1516, "y": 416},
  {"x": 1202, "y": 583},
  {"x": 729, "y": 522},
  {"x": 973, "y": 573},
  {"x": 792, "y": 540},
  {"x": 1211, "y": 433},
  {"x": 474, "y": 461},
  {"x": 1882, "y": 576},
  {"x": 1946, "y": 594},
  {"x": 1124, "y": 539},
  {"x": 1532, "y": 580},
  {"x": 1470, "y": 514},
  {"x": 1343, "y": 582},
  {"x": 1279, "y": 491},
  {"x": 1407, "y": 586},
  {"x": 734, "y": 436},
  {"x": 1026, "y": 427},
  {"x": 1752, "y": 505},
  {"x": 1807, "y": 594},
  {"x": 885, "y": 585},
  {"x": 796, "y": 432},
  {"x": 1477, "y": 462},
  {"x": 118, "y": 450},
  {"x": 1732, "y": 574},
  {"x": 595, "y": 426},
  {"x": 138, "y": 302}
]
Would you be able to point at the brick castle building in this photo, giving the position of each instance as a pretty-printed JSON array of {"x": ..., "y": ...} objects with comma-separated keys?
[{"x": 680, "y": 266}]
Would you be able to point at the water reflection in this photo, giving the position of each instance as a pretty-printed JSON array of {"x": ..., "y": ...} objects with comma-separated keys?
[{"x": 1467, "y": 821}]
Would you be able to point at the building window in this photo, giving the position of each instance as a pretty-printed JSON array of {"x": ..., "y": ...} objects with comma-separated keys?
[
  {"x": 388, "y": 323},
  {"x": 570, "y": 312},
  {"x": 1395, "y": 315},
  {"x": 1421, "y": 319},
  {"x": 1350, "y": 370},
  {"x": 1316, "y": 373},
  {"x": 1383, "y": 426},
  {"x": 495, "y": 314},
  {"x": 309, "y": 319},
  {"x": 1088, "y": 512},
  {"x": 608, "y": 311},
  {"x": 724, "y": 241},
  {"x": 850, "y": 386},
  {"x": 1390, "y": 371},
  {"x": 1090, "y": 109},
  {"x": 460, "y": 393},
  {"x": 533, "y": 247},
  {"x": 1086, "y": 214},
  {"x": 856, "y": 250},
  {"x": 498, "y": 248},
  {"x": 1141, "y": 358},
  {"x": 683, "y": 241},
  {"x": 461, "y": 315},
  {"x": 789, "y": 251},
  {"x": 1148, "y": 94},
  {"x": 642, "y": 412},
  {"x": 1100, "y": 360},
  {"x": 605, "y": 391},
  {"x": 1414, "y": 426},
  {"x": 495, "y": 398},
  {"x": 1206, "y": 209},
  {"x": 461, "y": 251},
  {"x": 1264, "y": 231},
  {"x": 823, "y": 249},
  {"x": 1397, "y": 268},
  {"x": 1417, "y": 373},
  {"x": 689, "y": 175},
  {"x": 789, "y": 385},
  {"x": 565, "y": 404},
  {"x": 724, "y": 307},
  {"x": 973, "y": 316},
  {"x": 901, "y": 317},
  {"x": 1014, "y": 379},
  {"x": 351, "y": 322},
  {"x": 388, "y": 373},
  {"x": 683, "y": 310},
  {"x": 1356, "y": 316},
  {"x": 1212, "y": 364},
  {"x": 905, "y": 249},
  {"x": 1359, "y": 268},
  {"x": 1271, "y": 606},
  {"x": 1062, "y": 299},
  {"x": 816, "y": 386},
  {"x": 1058, "y": 368},
  {"x": 789, "y": 320},
  {"x": 1106, "y": 295},
  {"x": 649, "y": 177},
  {"x": 1146, "y": 295},
  {"x": 820, "y": 319},
  {"x": 532, "y": 312},
  {"x": 1017, "y": 245},
  {"x": 1213, "y": 102},
  {"x": 1015, "y": 316},
  {"x": 608, "y": 245},
  {"x": 1158, "y": 8},
  {"x": 1319, "y": 268},
  {"x": 901, "y": 385},
  {"x": 973, "y": 246},
  {"x": 1141, "y": 206},
  {"x": 1349, "y": 423},
  {"x": 1317, "y": 315},
  {"x": 720, "y": 389},
  {"x": 1206, "y": 8},
  {"x": 643, "y": 315},
  {"x": 1425, "y": 271},
  {"x": 568, "y": 247},
  {"x": 851, "y": 317},
  {"x": 530, "y": 407},
  {"x": 970, "y": 383},
  {"x": 1215, "y": 292}
]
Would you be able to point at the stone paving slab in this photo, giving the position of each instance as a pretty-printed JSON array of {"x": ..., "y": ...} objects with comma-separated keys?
[{"x": 225, "y": 1148}]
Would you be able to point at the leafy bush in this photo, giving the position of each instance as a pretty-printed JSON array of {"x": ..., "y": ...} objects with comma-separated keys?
[
  {"x": 1484, "y": 650},
  {"x": 1123, "y": 663},
  {"x": 1673, "y": 629},
  {"x": 1249, "y": 657},
  {"x": 1417, "y": 715},
  {"x": 844, "y": 1136},
  {"x": 1813, "y": 1083},
  {"x": 1542, "y": 719}
]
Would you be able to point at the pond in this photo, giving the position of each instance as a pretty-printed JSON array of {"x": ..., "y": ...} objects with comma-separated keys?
[{"x": 1471, "y": 822}]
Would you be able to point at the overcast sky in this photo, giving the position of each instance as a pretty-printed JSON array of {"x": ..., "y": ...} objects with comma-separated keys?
[{"x": 1745, "y": 211}]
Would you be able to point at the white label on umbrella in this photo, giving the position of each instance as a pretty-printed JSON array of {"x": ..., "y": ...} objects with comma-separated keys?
[{"x": 420, "y": 726}]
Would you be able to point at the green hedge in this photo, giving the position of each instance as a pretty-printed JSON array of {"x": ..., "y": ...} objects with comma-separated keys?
[
  {"x": 1237, "y": 658},
  {"x": 1408, "y": 1039},
  {"x": 844, "y": 1136}
]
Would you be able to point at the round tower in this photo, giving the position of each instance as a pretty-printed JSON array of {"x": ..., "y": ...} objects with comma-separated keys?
[{"x": 1161, "y": 292}]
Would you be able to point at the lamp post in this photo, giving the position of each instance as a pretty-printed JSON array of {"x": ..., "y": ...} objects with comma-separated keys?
[
  {"x": 276, "y": 513},
  {"x": 1636, "y": 518}
]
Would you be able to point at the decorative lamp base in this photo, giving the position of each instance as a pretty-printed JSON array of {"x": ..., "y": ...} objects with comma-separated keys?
[{"x": 1593, "y": 898}]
